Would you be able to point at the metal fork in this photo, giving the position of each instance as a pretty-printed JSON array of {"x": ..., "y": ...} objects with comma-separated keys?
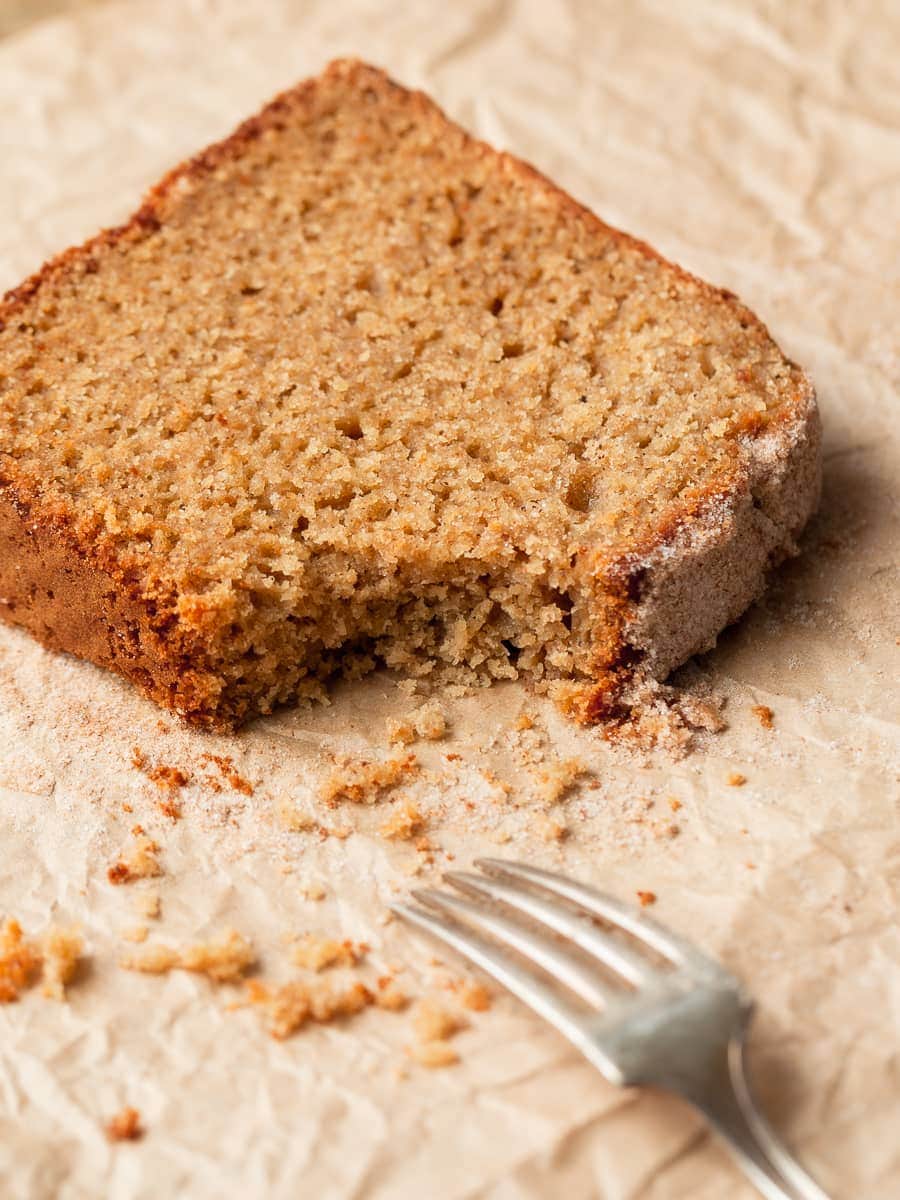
[{"x": 651, "y": 1009}]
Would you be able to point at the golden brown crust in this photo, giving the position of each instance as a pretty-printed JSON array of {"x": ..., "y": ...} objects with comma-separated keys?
[{"x": 58, "y": 581}]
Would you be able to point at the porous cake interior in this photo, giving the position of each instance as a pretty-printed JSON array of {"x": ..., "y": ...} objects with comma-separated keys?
[{"x": 363, "y": 390}]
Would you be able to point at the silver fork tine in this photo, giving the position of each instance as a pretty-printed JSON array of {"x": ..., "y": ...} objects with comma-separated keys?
[
  {"x": 560, "y": 963},
  {"x": 609, "y": 950},
  {"x": 545, "y": 1001},
  {"x": 676, "y": 949}
]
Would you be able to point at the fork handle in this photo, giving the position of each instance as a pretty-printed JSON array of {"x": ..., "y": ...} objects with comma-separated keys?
[{"x": 728, "y": 1104}]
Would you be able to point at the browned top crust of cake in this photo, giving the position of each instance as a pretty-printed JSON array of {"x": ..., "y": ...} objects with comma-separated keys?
[{"x": 353, "y": 387}]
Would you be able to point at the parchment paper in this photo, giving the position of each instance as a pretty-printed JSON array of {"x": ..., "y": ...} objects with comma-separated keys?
[{"x": 759, "y": 145}]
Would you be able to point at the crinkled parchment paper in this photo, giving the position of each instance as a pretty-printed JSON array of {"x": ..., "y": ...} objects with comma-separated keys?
[{"x": 758, "y": 144}]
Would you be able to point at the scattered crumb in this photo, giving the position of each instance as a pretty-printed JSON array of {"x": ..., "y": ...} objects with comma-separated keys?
[
  {"x": 400, "y": 731},
  {"x": 56, "y": 956},
  {"x": 125, "y": 1126},
  {"x": 228, "y": 771},
  {"x": 170, "y": 779},
  {"x": 675, "y": 804},
  {"x": 294, "y": 819},
  {"x": 171, "y": 808},
  {"x": 404, "y": 823},
  {"x": 736, "y": 779},
  {"x": 764, "y": 715},
  {"x": 62, "y": 951},
  {"x": 432, "y": 1022},
  {"x": 646, "y": 898},
  {"x": 140, "y": 862},
  {"x": 291, "y": 1005},
  {"x": 524, "y": 721},
  {"x": 702, "y": 714},
  {"x": 314, "y": 890},
  {"x": 558, "y": 778},
  {"x": 341, "y": 832},
  {"x": 155, "y": 960},
  {"x": 147, "y": 904},
  {"x": 427, "y": 722},
  {"x": 475, "y": 997},
  {"x": 433, "y": 1054},
  {"x": 504, "y": 789},
  {"x": 134, "y": 933},
  {"x": 389, "y": 996},
  {"x": 20, "y": 961},
  {"x": 222, "y": 961},
  {"x": 365, "y": 782},
  {"x": 317, "y": 954},
  {"x": 548, "y": 829}
]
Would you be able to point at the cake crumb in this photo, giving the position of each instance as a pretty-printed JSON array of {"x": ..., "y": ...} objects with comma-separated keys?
[
  {"x": 502, "y": 787},
  {"x": 20, "y": 961},
  {"x": 646, "y": 898},
  {"x": 361, "y": 782},
  {"x": 155, "y": 960},
  {"x": 524, "y": 721},
  {"x": 148, "y": 904},
  {"x": 317, "y": 953},
  {"x": 290, "y": 1006},
  {"x": 389, "y": 996},
  {"x": 140, "y": 862},
  {"x": 475, "y": 997},
  {"x": 427, "y": 722},
  {"x": 313, "y": 890},
  {"x": 62, "y": 950},
  {"x": 701, "y": 713},
  {"x": 557, "y": 779},
  {"x": 169, "y": 779},
  {"x": 170, "y": 807},
  {"x": 549, "y": 829},
  {"x": 222, "y": 961},
  {"x": 341, "y": 832},
  {"x": 675, "y": 804},
  {"x": 294, "y": 819},
  {"x": 764, "y": 715},
  {"x": 432, "y": 1022},
  {"x": 405, "y": 823},
  {"x": 125, "y": 1126},
  {"x": 736, "y": 779},
  {"x": 433, "y": 1054},
  {"x": 229, "y": 772},
  {"x": 134, "y": 933}
]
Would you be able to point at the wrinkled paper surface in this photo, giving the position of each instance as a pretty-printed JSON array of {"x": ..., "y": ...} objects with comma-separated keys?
[{"x": 759, "y": 145}]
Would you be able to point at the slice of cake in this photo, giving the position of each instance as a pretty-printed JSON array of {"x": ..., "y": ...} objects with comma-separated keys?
[{"x": 353, "y": 388}]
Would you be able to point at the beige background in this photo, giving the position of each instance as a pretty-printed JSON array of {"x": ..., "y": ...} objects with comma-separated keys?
[{"x": 759, "y": 144}]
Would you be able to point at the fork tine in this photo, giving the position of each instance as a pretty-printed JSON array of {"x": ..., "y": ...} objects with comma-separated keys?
[
  {"x": 523, "y": 984},
  {"x": 676, "y": 949},
  {"x": 552, "y": 958},
  {"x": 612, "y": 952}
]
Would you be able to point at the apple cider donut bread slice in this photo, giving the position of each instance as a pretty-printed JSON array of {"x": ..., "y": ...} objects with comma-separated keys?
[{"x": 353, "y": 388}]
